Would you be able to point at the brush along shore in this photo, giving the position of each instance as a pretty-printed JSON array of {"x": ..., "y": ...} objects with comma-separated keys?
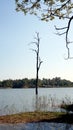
[{"x": 37, "y": 117}]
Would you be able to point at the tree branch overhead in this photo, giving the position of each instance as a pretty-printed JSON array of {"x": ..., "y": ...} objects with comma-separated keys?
[{"x": 47, "y": 10}]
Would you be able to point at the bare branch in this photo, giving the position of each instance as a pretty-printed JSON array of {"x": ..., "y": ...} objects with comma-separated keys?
[
  {"x": 49, "y": 10},
  {"x": 38, "y": 60},
  {"x": 60, "y": 28},
  {"x": 66, "y": 32},
  {"x": 33, "y": 50},
  {"x": 39, "y": 63},
  {"x": 35, "y": 43},
  {"x": 68, "y": 27},
  {"x": 60, "y": 33}
]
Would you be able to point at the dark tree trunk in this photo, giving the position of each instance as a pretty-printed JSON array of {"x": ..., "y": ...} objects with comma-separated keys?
[
  {"x": 38, "y": 60},
  {"x": 37, "y": 75}
]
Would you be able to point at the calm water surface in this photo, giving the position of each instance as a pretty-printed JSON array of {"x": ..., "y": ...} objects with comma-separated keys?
[
  {"x": 21, "y": 100},
  {"x": 37, "y": 126}
]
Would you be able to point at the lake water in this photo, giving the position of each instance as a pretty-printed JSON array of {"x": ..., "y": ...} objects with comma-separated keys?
[
  {"x": 37, "y": 126},
  {"x": 22, "y": 100}
]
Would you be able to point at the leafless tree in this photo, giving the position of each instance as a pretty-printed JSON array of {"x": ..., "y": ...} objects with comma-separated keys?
[{"x": 38, "y": 60}]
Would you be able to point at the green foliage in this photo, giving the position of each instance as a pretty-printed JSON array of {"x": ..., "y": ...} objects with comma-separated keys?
[
  {"x": 31, "y": 83},
  {"x": 18, "y": 84},
  {"x": 46, "y": 9},
  {"x": 7, "y": 84}
]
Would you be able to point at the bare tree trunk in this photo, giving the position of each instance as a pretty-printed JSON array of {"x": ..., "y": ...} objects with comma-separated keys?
[
  {"x": 37, "y": 75},
  {"x": 38, "y": 60}
]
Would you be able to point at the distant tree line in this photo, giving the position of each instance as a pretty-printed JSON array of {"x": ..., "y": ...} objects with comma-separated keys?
[{"x": 31, "y": 83}]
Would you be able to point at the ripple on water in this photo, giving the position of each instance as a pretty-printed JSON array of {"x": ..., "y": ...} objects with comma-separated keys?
[{"x": 37, "y": 126}]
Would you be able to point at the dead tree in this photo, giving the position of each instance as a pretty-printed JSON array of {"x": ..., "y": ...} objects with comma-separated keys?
[{"x": 38, "y": 60}]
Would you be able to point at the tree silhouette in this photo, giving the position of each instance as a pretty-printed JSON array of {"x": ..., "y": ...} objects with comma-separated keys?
[{"x": 38, "y": 60}]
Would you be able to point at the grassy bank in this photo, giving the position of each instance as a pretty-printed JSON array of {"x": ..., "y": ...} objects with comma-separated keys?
[
  {"x": 26, "y": 117},
  {"x": 37, "y": 117}
]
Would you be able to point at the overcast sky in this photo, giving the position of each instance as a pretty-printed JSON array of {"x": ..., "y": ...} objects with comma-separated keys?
[{"x": 17, "y": 61}]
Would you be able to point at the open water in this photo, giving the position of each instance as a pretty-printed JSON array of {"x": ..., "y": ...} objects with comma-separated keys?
[{"x": 22, "y": 100}]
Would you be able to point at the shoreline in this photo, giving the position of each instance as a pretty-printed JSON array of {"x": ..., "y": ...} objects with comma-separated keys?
[{"x": 30, "y": 117}]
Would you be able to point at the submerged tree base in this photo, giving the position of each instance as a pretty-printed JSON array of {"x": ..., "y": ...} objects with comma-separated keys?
[{"x": 37, "y": 117}]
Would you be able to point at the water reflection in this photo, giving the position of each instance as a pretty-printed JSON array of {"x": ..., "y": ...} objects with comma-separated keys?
[
  {"x": 22, "y": 100},
  {"x": 48, "y": 126},
  {"x": 37, "y": 126},
  {"x": 60, "y": 126}
]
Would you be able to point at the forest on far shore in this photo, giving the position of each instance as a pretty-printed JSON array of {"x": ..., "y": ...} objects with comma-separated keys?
[{"x": 31, "y": 83}]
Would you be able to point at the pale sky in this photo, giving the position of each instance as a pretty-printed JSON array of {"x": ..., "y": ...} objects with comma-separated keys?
[{"x": 17, "y": 61}]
